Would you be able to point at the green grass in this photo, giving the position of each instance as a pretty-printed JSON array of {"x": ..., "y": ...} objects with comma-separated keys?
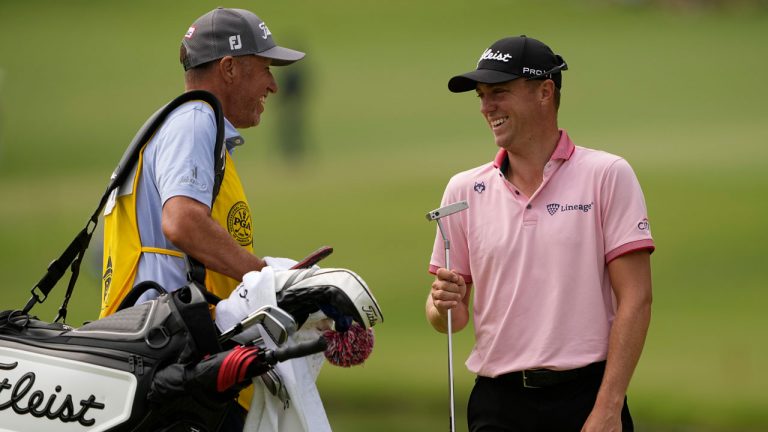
[{"x": 680, "y": 95}]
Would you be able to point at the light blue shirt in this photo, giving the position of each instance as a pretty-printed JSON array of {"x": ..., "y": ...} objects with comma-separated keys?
[{"x": 178, "y": 161}]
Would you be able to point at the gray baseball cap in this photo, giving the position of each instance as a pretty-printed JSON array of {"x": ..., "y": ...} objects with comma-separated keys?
[{"x": 235, "y": 32}]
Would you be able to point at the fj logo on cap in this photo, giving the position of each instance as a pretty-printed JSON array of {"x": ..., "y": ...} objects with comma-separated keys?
[
  {"x": 190, "y": 32},
  {"x": 266, "y": 31},
  {"x": 234, "y": 42},
  {"x": 498, "y": 55}
]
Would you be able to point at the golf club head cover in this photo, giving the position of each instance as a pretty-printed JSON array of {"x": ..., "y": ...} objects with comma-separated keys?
[
  {"x": 349, "y": 348},
  {"x": 339, "y": 293}
]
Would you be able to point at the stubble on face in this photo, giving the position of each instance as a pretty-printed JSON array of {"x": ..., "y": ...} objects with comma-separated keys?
[{"x": 250, "y": 91}]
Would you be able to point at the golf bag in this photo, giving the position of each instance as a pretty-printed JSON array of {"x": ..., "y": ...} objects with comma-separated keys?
[{"x": 157, "y": 366}]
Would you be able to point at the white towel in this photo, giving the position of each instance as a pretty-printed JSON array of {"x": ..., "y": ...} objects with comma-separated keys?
[{"x": 305, "y": 412}]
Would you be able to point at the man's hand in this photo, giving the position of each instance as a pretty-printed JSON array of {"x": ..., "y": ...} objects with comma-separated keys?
[
  {"x": 449, "y": 292},
  {"x": 601, "y": 421}
]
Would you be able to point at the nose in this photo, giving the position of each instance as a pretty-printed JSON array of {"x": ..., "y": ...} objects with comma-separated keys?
[
  {"x": 272, "y": 86},
  {"x": 486, "y": 105}
]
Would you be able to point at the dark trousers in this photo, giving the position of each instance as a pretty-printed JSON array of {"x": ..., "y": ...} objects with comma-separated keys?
[{"x": 503, "y": 404}]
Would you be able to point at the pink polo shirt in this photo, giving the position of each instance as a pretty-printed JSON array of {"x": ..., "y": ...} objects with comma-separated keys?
[{"x": 542, "y": 294}]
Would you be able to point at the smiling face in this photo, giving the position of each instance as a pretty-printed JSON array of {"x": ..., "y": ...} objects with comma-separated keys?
[
  {"x": 513, "y": 110},
  {"x": 250, "y": 86}
]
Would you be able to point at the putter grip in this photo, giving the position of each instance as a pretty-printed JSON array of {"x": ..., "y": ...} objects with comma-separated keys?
[{"x": 298, "y": 350}]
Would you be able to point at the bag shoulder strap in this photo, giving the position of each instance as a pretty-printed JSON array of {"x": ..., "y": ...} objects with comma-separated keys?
[{"x": 73, "y": 254}]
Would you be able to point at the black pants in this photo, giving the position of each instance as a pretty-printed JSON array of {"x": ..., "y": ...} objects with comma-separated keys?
[{"x": 505, "y": 405}]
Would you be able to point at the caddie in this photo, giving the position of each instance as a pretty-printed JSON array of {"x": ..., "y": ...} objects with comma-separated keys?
[
  {"x": 178, "y": 204},
  {"x": 556, "y": 243}
]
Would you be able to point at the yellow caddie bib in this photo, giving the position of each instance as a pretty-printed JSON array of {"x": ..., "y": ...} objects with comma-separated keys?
[{"x": 123, "y": 248}]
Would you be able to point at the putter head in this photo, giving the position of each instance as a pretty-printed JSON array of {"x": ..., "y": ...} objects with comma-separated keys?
[{"x": 447, "y": 210}]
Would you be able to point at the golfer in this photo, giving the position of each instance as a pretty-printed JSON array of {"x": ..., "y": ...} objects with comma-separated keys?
[
  {"x": 557, "y": 244},
  {"x": 174, "y": 206}
]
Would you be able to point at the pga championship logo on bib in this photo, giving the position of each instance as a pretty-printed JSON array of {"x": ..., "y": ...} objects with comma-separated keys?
[
  {"x": 40, "y": 392},
  {"x": 239, "y": 223}
]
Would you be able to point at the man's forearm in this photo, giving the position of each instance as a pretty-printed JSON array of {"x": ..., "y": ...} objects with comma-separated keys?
[
  {"x": 631, "y": 280},
  {"x": 220, "y": 253},
  {"x": 627, "y": 338},
  {"x": 189, "y": 226}
]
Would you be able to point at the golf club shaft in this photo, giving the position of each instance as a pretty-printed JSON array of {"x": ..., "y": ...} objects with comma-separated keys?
[
  {"x": 450, "y": 344},
  {"x": 438, "y": 215}
]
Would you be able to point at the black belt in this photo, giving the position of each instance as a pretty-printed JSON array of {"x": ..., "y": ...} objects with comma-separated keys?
[{"x": 538, "y": 378}]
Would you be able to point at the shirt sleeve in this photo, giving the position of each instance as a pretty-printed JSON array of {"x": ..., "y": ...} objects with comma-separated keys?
[
  {"x": 625, "y": 217},
  {"x": 184, "y": 160}
]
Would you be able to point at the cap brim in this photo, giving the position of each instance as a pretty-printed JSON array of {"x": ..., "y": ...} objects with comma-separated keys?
[
  {"x": 282, "y": 56},
  {"x": 468, "y": 81}
]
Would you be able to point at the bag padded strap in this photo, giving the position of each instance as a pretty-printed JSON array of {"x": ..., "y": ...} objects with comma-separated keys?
[{"x": 192, "y": 307}]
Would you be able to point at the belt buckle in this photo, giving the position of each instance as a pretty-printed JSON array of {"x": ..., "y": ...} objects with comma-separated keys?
[{"x": 525, "y": 381}]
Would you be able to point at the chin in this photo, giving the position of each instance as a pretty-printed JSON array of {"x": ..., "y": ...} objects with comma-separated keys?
[{"x": 246, "y": 124}]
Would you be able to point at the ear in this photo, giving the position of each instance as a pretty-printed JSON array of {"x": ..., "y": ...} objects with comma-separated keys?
[
  {"x": 547, "y": 91},
  {"x": 227, "y": 69}
]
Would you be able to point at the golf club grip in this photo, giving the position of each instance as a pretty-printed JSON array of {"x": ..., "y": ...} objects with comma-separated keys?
[
  {"x": 313, "y": 258},
  {"x": 298, "y": 350}
]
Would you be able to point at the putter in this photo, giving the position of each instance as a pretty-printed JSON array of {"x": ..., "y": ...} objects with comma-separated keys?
[{"x": 437, "y": 215}]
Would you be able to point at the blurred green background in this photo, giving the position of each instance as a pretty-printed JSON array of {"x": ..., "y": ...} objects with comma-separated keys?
[{"x": 675, "y": 87}]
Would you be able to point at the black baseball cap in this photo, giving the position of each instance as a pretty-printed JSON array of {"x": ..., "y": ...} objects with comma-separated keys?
[
  {"x": 222, "y": 32},
  {"x": 511, "y": 58}
]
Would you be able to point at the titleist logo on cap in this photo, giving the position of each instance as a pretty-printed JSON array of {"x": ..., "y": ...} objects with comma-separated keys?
[{"x": 497, "y": 55}]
